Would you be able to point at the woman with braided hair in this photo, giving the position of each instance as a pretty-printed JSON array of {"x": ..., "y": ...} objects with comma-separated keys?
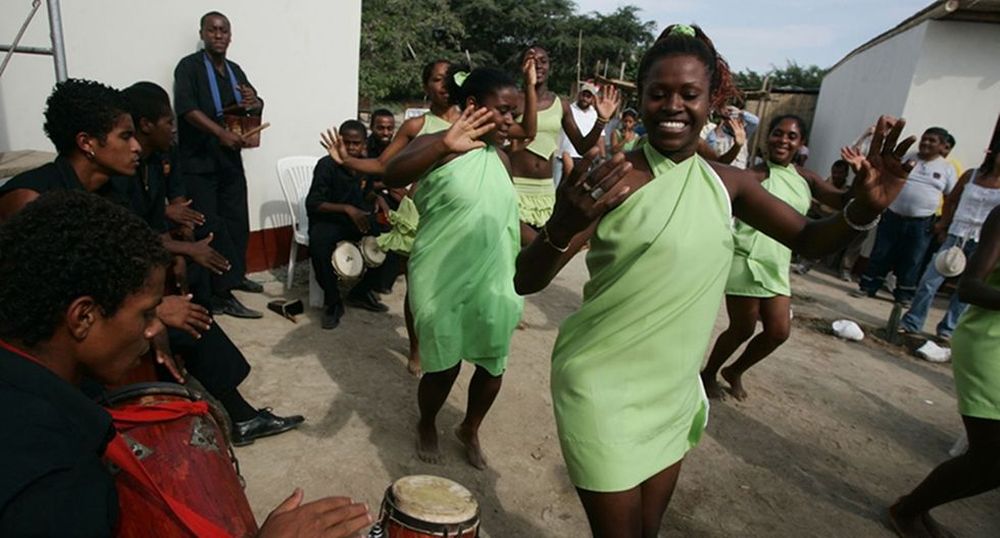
[{"x": 627, "y": 396}]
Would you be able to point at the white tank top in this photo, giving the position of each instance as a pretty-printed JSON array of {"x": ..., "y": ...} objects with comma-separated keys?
[{"x": 973, "y": 208}]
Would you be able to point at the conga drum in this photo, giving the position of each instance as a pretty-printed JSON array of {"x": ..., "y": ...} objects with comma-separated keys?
[
  {"x": 371, "y": 253},
  {"x": 424, "y": 506},
  {"x": 184, "y": 452},
  {"x": 347, "y": 261}
]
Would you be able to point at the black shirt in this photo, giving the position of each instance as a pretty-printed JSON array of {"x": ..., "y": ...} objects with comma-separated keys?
[
  {"x": 200, "y": 152},
  {"x": 333, "y": 183},
  {"x": 52, "y": 479},
  {"x": 146, "y": 192},
  {"x": 57, "y": 175},
  {"x": 375, "y": 147}
]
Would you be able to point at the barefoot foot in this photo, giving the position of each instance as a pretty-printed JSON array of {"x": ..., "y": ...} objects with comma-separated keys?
[
  {"x": 427, "y": 444},
  {"x": 907, "y": 527},
  {"x": 712, "y": 387},
  {"x": 413, "y": 366},
  {"x": 473, "y": 451},
  {"x": 735, "y": 381}
]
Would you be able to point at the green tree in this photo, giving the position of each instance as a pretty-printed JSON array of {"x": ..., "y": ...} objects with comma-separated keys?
[
  {"x": 792, "y": 75},
  {"x": 397, "y": 38}
]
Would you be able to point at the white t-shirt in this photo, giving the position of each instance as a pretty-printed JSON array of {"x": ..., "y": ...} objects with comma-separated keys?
[
  {"x": 585, "y": 120},
  {"x": 928, "y": 181}
]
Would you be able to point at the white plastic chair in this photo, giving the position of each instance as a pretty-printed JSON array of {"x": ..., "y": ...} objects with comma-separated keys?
[{"x": 294, "y": 176}]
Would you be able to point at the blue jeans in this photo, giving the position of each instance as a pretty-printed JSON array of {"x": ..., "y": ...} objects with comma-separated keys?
[
  {"x": 900, "y": 244},
  {"x": 914, "y": 319}
]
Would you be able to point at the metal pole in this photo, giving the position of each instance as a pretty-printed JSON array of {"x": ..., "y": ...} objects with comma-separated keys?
[
  {"x": 20, "y": 33},
  {"x": 55, "y": 31}
]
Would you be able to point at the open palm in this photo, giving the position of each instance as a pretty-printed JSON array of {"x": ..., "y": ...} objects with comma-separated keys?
[
  {"x": 464, "y": 134},
  {"x": 883, "y": 173}
]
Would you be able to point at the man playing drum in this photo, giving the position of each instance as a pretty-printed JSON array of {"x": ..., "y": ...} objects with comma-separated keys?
[
  {"x": 340, "y": 205},
  {"x": 82, "y": 280}
]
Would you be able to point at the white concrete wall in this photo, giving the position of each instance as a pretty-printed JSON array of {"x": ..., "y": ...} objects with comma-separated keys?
[
  {"x": 876, "y": 81},
  {"x": 957, "y": 85},
  {"x": 301, "y": 55}
]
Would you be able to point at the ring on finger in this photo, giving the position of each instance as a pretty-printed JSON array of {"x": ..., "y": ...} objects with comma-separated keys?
[
  {"x": 597, "y": 193},
  {"x": 586, "y": 186}
]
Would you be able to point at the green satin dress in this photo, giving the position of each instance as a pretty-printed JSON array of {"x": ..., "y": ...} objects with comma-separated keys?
[
  {"x": 760, "y": 263},
  {"x": 975, "y": 358},
  {"x": 625, "y": 386},
  {"x": 461, "y": 268}
]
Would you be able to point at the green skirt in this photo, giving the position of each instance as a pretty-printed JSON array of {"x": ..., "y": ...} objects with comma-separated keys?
[
  {"x": 404, "y": 223},
  {"x": 535, "y": 199}
]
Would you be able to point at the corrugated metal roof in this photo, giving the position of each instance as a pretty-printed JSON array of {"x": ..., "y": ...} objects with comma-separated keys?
[{"x": 987, "y": 11}]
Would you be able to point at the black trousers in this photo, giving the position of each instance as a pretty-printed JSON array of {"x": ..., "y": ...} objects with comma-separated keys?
[
  {"x": 213, "y": 359},
  {"x": 323, "y": 239},
  {"x": 222, "y": 197}
]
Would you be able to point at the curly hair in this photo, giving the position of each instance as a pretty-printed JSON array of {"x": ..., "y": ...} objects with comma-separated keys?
[
  {"x": 721, "y": 87},
  {"x": 81, "y": 106},
  {"x": 66, "y": 245}
]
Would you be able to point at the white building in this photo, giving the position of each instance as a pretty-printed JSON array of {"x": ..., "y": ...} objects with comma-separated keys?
[
  {"x": 301, "y": 55},
  {"x": 940, "y": 67}
]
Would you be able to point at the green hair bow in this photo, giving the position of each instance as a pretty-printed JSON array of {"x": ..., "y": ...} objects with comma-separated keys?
[
  {"x": 682, "y": 30},
  {"x": 460, "y": 77}
]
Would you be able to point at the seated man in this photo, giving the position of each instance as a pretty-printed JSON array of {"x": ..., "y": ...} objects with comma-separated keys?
[
  {"x": 340, "y": 205},
  {"x": 91, "y": 315}
]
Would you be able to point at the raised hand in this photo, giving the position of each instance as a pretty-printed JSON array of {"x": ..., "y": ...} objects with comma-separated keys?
[
  {"x": 739, "y": 130},
  {"x": 333, "y": 145},
  {"x": 883, "y": 173},
  {"x": 464, "y": 134},
  {"x": 528, "y": 69},
  {"x": 585, "y": 195},
  {"x": 608, "y": 101},
  {"x": 853, "y": 157}
]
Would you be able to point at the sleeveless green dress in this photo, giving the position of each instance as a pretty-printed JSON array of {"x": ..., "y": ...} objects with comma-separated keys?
[
  {"x": 461, "y": 269},
  {"x": 536, "y": 197},
  {"x": 975, "y": 359},
  {"x": 405, "y": 218},
  {"x": 625, "y": 386},
  {"x": 760, "y": 263}
]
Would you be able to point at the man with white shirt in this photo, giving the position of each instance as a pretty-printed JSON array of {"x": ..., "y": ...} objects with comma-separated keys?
[
  {"x": 906, "y": 227},
  {"x": 585, "y": 116},
  {"x": 729, "y": 139}
]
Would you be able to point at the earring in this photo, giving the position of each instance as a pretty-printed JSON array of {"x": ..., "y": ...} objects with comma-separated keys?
[{"x": 90, "y": 155}]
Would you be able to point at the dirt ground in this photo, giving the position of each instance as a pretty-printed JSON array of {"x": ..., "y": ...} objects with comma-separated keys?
[{"x": 832, "y": 433}]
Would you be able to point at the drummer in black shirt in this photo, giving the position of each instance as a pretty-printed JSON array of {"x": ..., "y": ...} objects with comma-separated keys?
[
  {"x": 90, "y": 315},
  {"x": 340, "y": 206},
  {"x": 207, "y": 86}
]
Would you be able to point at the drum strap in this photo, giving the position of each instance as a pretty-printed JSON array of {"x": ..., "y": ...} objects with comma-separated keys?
[{"x": 119, "y": 453}]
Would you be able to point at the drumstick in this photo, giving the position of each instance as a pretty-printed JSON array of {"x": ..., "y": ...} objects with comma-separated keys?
[{"x": 256, "y": 129}]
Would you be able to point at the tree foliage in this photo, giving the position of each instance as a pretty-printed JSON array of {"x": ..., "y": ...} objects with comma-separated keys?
[
  {"x": 491, "y": 33},
  {"x": 792, "y": 75}
]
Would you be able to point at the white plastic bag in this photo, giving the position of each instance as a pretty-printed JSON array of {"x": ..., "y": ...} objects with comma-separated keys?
[{"x": 848, "y": 330}]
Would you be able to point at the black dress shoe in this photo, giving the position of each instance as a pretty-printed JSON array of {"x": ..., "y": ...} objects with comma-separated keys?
[
  {"x": 264, "y": 424},
  {"x": 368, "y": 301},
  {"x": 249, "y": 286},
  {"x": 233, "y": 307},
  {"x": 331, "y": 316}
]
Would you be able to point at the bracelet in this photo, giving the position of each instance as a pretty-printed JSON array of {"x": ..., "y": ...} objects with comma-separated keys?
[
  {"x": 859, "y": 227},
  {"x": 544, "y": 232},
  {"x": 603, "y": 120}
]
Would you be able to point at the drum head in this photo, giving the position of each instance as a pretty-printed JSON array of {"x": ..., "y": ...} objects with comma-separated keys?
[
  {"x": 434, "y": 499},
  {"x": 371, "y": 252},
  {"x": 347, "y": 260}
]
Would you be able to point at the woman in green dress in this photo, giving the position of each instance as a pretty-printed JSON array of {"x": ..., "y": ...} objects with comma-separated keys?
[
  {"x": 462, "y": 264},
  {"x": 758, "y": 286},
  {"x": 625, "y": 139},
  {"x": 531, "y": 156},
  {"x": 975, "y": 358},
  {"x": 626, "y": 392}
]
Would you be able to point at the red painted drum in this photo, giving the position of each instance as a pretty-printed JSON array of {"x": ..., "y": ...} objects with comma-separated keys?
[
  {"x": 183, "y": 468},
  {"x": 424, "y": 506}
]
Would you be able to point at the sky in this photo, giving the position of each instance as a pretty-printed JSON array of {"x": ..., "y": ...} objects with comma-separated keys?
[{"x": 759, "y": 34}]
